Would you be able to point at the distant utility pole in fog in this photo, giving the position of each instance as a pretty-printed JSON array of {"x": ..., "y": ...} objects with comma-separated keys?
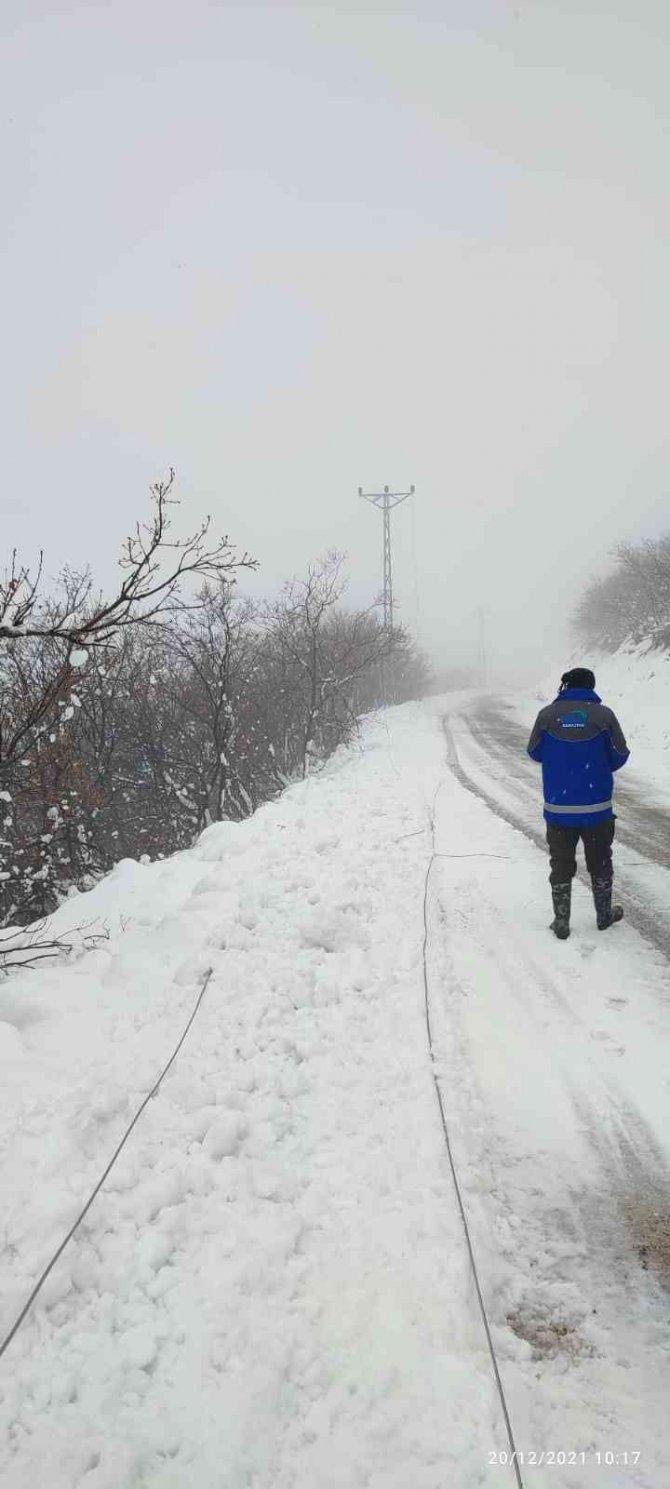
[
  {"x": 386, "y": 500},
  {"x": 481, "y": 617}
]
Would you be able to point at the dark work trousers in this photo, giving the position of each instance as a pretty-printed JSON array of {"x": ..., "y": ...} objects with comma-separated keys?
[{"x": 597, "y": 851}]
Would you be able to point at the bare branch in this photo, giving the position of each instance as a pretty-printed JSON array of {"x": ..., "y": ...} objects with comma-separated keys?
[
  {"x": 145, "y": 592},
  {"x": 29, "y": 946}
]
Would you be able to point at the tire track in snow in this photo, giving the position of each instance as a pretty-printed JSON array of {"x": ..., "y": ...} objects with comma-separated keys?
[
  {"x": 585, "y": 1251},
  {"x": 553, "y": 1221},
  {"x": 628, "y": 1151}
]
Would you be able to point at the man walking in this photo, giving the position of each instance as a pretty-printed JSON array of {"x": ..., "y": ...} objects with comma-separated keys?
[{"x": 579, "y": 743}]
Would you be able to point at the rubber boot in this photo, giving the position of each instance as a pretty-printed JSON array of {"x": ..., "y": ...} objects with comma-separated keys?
[
  {"x": 560, "y": 925},
  {"x": 607, "y": 914}
]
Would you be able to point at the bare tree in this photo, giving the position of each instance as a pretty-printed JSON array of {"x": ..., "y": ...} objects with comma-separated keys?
[
  {"x": 61, "y": 725},
  {"x": 323, "y": 660},
  {"x": 128, "y": 740},
  {"x": 145, "y": 592},
  {"x": 154, "y": 566},
  {"x": 632, "y": 602}
]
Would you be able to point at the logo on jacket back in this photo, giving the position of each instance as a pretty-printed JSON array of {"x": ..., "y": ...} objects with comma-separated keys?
[{"x": 578, "y": 719}]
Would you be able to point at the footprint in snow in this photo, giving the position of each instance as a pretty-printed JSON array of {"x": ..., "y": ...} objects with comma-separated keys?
[
  {"x": 224, "y": 1137},
  {"x": 602, "y": 1037}
]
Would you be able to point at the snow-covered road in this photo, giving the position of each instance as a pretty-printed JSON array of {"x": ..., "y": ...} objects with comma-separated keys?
[{"x": 272, "y": 1290}]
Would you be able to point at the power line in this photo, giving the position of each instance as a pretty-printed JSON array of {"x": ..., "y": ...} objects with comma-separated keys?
[
  {"x": 481, "y": 645},
  {"x": 204, "y": 981},
  {"x": 513, "y": 1453},
  {"x": 418, "y": 618}
]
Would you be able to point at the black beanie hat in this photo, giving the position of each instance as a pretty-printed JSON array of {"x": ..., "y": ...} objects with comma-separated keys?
[{"x": 578, "y": 677}]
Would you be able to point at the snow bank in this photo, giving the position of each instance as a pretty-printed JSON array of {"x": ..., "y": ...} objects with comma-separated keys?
[{"x": 272, "y": 1288}]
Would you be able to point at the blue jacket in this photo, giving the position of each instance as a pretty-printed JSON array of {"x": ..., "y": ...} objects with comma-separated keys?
[{"x": 579, "y": 743}]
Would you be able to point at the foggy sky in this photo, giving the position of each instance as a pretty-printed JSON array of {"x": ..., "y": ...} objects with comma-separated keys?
[{"x": 295, "y": 250}]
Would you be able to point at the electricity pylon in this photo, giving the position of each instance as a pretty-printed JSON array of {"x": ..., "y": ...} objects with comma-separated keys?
[{"x": 386, "y": 500}]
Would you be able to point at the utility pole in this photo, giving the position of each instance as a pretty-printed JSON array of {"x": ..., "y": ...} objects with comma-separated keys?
[{"x": 386, "y": 500}]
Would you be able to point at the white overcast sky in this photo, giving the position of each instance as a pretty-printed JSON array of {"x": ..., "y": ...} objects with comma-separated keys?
[{"x": 292, "y": 250}]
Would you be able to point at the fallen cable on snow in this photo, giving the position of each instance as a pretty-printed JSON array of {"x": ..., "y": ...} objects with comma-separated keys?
[
  {"x": 95, "y": 1192},
  {"x": 514, "y": 1461}
]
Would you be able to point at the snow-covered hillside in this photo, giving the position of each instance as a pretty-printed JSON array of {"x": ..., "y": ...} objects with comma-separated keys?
[{"x": 272, "y": 1290}]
